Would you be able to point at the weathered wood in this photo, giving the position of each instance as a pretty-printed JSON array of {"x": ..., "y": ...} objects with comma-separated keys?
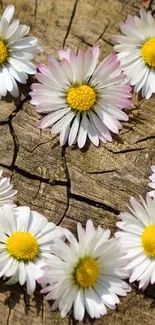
[{"x": 70, "y": 185}]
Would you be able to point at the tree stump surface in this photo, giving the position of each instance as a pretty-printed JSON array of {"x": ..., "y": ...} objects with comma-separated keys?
[{"x": 68, "y": 184}]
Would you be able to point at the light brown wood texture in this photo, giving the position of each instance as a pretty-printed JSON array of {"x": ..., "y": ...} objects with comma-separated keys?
[{"x": 68, "y": 184}]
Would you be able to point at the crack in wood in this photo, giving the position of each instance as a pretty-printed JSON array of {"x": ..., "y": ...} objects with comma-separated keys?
[
  {"x": 15, "y": 111},
  {"x": 8, "y": 318},
  {"x": 16, "y": 144},
  {"x": 125, "y": 150},
  {"x": 64, "y": 163},
  {"x": 101, "y": 35},
  {"x": 81, "y": 38},
  {"x": 36, "y": 8},
  {"x": 70, "y": 23},
  {"x": 107, "y": 42},
  {"x": 145, "y": 139},
  {"x": 4, "y": 122},
  {"x": 94, "y": 203},
  {"x": 34, "y": 177}
]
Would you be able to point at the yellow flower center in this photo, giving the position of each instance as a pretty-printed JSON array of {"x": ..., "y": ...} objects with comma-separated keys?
[
  {"x": 148, "y": 52},
  {"x": 3, "y": 52},
  {"x": 86, "y": 272},
  {"x": 148, "y": 240},
  {"x": 81, "y": 98},
  {"x": 22, "y": 246}
]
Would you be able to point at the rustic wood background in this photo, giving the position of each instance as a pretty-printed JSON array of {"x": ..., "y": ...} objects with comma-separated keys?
[{"x": 67, "y": 184}]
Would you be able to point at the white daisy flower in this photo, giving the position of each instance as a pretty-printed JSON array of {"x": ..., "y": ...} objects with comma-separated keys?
[
  {"x": 152, "y": 184},
  {"x": 87, "y": 273},
  {"x": 25, "y": 238},
  {"x": 7, "y": 194},
  {"x": 137, "y": 52},
  {"x": 80, "y": 100},
  {"x": 16, "y": 53},
  {"x": 137, "y": 239}
]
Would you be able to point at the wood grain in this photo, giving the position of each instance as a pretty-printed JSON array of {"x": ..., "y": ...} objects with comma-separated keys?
[{"x": 67, "y": 184}]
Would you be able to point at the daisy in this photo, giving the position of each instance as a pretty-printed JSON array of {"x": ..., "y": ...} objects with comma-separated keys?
[
  {"x": 80, "y": 100},
  {"x": 137, "y": 239},
  {"x": 7, "y": 194},
  {"x": 137, "y": 52},
  {"x": 16, "y": 53},
  {"x": 152, "y": 184},
  {"x": 86, "y": 274},
  {"x": 25, "y": 238}
]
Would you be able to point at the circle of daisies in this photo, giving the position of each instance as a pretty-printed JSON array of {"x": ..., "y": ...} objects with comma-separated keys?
[{"x": 80, "y": 100}]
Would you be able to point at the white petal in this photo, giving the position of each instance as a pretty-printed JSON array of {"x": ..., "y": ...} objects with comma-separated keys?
[
  {"x": 64, "y": 135},
  {"x": 8, "y": 13},
  {"x": 74, "y": 129},
  {"x": 30, "y": 278},
  {"x": 22, "y": 273},
  {"x": 92, "y": 134},
  {"x": 64, "y": 121},
  {"x": 50, "y": 119},
  {"x": 82, "y": 135},
  {"x": 79, "y": 309}
]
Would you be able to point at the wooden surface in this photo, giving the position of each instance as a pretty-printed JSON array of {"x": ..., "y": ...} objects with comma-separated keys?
[{"x": 70, "y": 185}]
